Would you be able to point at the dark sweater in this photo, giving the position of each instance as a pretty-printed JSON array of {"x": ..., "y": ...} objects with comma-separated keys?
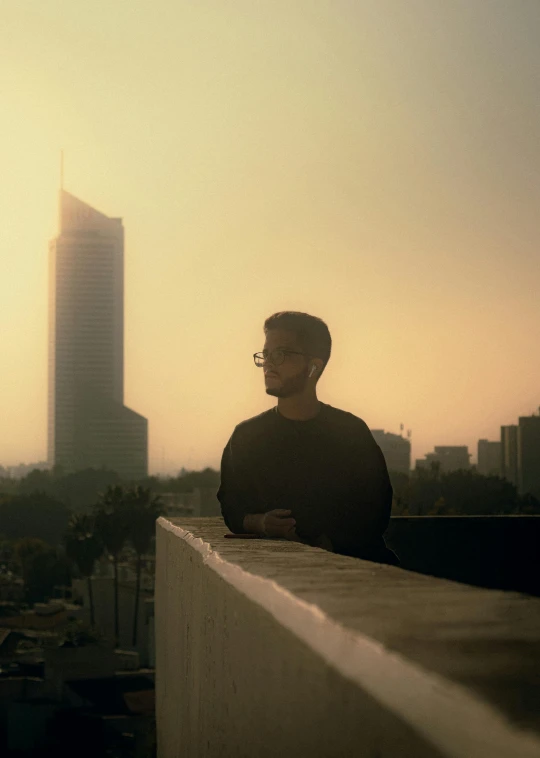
[{"x": 328, "y": 471}]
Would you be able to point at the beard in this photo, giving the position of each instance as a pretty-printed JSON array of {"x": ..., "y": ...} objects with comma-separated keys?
[{"x": 294, "y": 385}]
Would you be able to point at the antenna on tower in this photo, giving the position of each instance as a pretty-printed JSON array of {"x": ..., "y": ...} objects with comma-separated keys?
[{"x": 61, "y": 169}]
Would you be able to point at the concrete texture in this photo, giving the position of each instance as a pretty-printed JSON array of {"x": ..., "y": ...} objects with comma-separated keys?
[{"x": 271, "y": 648}]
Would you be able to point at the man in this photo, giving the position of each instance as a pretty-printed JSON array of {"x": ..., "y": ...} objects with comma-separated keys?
[{"x": 304, "y": 470}]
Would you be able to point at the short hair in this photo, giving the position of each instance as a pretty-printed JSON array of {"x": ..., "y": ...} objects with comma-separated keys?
[{"x": 311, "y": 332}]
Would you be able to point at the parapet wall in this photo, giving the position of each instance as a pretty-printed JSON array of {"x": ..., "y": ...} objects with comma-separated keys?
[
  {"x": 268, "y": 648},
  {"x": 499, "y": 552}
]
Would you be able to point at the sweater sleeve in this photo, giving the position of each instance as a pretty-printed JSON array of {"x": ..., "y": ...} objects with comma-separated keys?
[
  {"x": 234, "y": 494},
  {"x": 358, "y": 526}
]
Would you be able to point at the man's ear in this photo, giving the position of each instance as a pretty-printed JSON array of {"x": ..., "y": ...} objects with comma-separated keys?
[{"x": 319, "y": 364}]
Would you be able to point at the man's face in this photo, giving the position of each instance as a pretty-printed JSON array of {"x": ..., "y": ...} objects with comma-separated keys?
[{"x": 291, "y": 376}]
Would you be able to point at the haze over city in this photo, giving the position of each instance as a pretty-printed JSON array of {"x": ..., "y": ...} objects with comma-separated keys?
[{"x": 373, "y": 163}]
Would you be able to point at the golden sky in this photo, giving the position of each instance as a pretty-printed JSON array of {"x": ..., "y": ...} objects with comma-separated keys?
[{"x": 373, "y": 162}]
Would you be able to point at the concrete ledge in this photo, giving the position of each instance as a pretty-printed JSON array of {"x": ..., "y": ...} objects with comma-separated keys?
[
  {"x": 499, "y": 552},
  {"x": 268, "y": 648}
]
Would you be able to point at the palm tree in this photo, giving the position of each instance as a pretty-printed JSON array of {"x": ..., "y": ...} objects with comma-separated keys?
[
  {"x": 143, "y": 512},
  {"x": 84, "y": 547},
  {"x": 111, "y": 520},
  {"x": 26, "y": 549}
]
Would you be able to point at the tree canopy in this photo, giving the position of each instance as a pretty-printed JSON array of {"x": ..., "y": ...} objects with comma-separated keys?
[
  {"x": 463, "y": 492},
  {"x": 34, "y": 515},
  {"x": 82, "y": 489}
]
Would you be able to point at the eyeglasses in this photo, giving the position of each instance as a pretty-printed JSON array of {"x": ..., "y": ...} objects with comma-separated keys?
[{"x": 276, "y": 357}]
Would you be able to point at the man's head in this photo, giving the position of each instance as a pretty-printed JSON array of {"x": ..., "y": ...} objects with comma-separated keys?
[{"x": 296, "y": 350}]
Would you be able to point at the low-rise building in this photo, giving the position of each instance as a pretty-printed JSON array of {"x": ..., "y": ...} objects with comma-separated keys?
[
  {"x": 449, "y": 457},
  {"x": 395, "y": 448},
  {"x": 489, "y": 458}
]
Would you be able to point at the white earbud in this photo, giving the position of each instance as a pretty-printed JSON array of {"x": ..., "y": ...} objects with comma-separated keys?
[{"x": 313, "y": 369}]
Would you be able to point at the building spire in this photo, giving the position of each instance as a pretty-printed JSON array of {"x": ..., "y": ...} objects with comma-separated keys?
[{"x": 61, "y": 169}]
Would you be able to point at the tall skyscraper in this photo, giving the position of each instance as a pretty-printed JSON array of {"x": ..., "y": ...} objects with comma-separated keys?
[{"x": 89, "y": 425}]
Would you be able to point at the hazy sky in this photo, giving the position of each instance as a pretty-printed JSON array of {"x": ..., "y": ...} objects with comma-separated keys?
[{"x": 373, "y": 162}]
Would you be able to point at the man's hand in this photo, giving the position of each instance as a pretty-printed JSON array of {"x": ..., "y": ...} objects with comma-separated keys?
[
  {"x": 275, "y": 523},
  {"x": 322, "y": 541}
]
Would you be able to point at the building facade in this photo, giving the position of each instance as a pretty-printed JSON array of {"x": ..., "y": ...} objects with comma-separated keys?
[
  {"x": 89, "y": 426},
  {"x": 528, "y": 455},
  {"x": 489, "y": 458},
  {"x": 396, "y": 450},
  {"x": 509, "y": 453},
  {"x": 449, "y": 458}
]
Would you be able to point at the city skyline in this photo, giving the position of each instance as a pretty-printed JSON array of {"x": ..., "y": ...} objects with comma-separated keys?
[{"x": 370, "y": 163}]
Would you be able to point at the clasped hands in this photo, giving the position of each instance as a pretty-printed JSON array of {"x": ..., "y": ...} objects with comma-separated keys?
[
  {"x": 279, "y": 523},
  {"x": 275, "y": 523}
]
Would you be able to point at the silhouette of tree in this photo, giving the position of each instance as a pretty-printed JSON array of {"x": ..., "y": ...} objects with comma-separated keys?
[
  {"x": 84, "y": 547},
  {"x": 112, "y": 527},
  {"x": 36, "y": 515},
  {"x": 529, "y": 504},
  {"x": 46, "y": 571},
  {"x": 42, "y": 567},
  {"x": 186, "y": 481},
  {"x": 7, "y": 555},
  {"x": 399, "y": 482},
  {"x": 38, "y": 480},
  {"x": 25, "y": 551},
  {"x": 81, "y": 489},
  {"x": 143, "y": 511},
  {"x": 430, "y": 492},
  {"x": 78, "y": 489}
]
